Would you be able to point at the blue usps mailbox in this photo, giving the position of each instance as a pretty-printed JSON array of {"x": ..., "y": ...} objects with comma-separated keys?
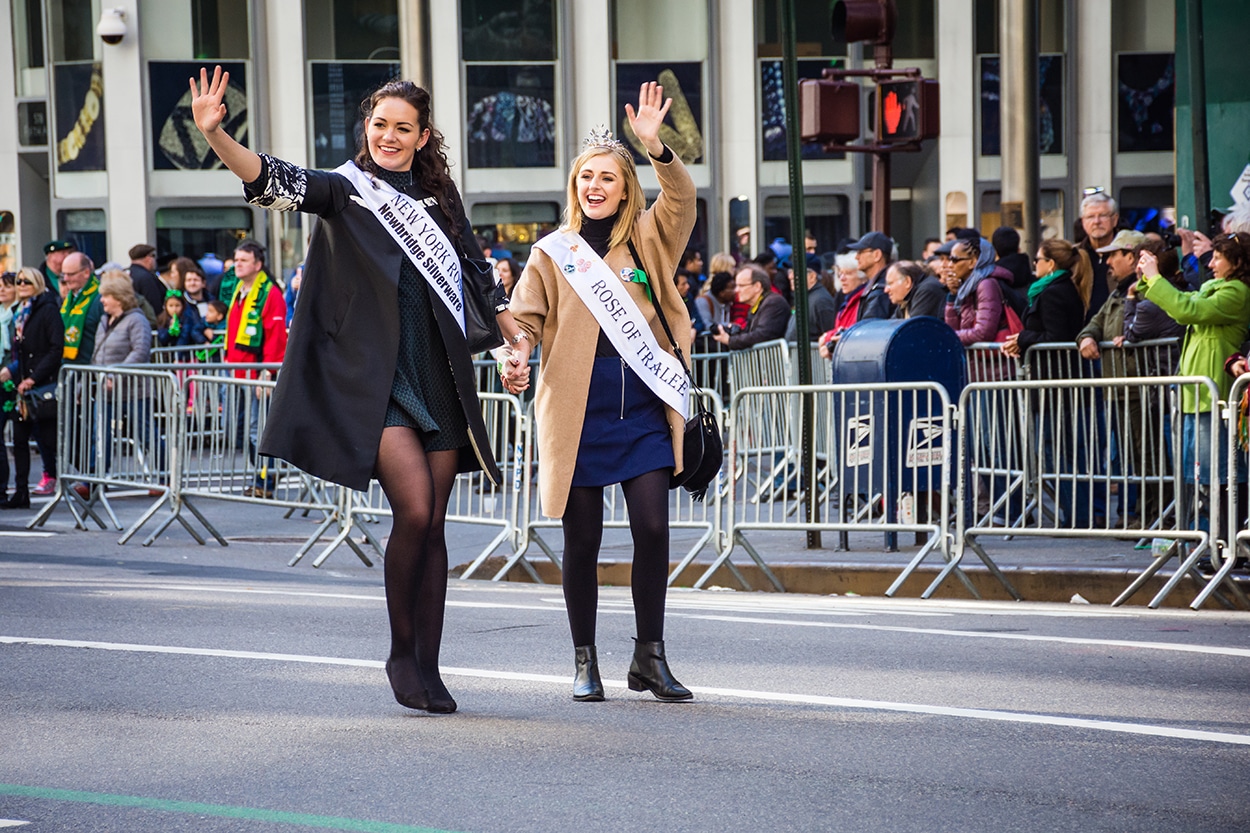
[{"x": 890, "y": 442}]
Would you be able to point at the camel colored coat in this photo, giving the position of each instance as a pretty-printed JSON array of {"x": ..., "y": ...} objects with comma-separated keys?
[{"x": 552, "y": 314}]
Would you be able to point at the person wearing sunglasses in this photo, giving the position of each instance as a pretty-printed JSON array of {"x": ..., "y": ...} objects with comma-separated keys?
[{"x": 39, "y": 339}]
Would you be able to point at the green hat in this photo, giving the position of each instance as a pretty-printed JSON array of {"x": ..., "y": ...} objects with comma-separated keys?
[{"x": 58, "y": 246}]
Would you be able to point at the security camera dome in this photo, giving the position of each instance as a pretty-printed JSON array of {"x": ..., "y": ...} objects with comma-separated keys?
[{"x": 112, "y": 26}]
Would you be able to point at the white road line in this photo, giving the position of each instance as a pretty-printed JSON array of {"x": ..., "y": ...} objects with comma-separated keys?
[
  {"x": 12, "y": 823},
  {"x": 1020, "y": 637},
  {"x": 735, "y": 693},
  {"x": 24, "y": 535}
]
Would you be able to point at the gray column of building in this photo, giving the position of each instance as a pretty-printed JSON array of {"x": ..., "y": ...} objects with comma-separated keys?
[{"x": 1019, "y": 106}]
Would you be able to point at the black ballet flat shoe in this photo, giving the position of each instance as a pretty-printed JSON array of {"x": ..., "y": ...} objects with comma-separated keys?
[
  {"x": 440, "y": 699},
  {"x": 587, "y": 687},
  {"x": 649, "y": 672},
  {"x": 418, "y": 700}
]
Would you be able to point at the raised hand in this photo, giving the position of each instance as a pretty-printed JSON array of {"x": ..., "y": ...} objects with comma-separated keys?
[
  {"x": 207, "y": 100},
  {"x": 646, "y": 121}
]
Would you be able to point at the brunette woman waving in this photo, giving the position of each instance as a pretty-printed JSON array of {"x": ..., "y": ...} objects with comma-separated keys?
[
  {"x": 592, "y": 294},
  {"x": 378, "y": 380}
]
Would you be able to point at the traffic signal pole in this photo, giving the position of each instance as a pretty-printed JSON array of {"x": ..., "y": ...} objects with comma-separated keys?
[
  {"x": 798, "y": 260},
  {"x": 1018, "y": 65}
]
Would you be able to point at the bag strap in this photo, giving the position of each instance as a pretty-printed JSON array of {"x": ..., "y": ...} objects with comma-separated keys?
[{"x": 659, "y": 311}]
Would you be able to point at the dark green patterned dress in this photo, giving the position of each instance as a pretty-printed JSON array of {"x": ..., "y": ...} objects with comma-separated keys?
[{"x": 423, "y": 392}]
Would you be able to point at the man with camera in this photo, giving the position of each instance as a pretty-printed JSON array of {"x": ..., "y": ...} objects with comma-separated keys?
[{"x": 769, "y": 313}]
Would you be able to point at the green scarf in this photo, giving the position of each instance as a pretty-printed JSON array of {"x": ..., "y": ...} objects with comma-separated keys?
[
  {"x": 1038, "y": 286},
  {"x": 74, "y": 314},
  {"x": 251, "y": 333}
]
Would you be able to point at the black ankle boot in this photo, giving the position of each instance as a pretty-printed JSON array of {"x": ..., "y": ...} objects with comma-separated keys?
[
  {"x": 587, "y": 686},
  {"x": 649, "y": 672},
  {"x": 19, "y": 500}
]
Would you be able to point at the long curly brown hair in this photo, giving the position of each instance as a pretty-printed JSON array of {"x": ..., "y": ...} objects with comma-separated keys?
[{"x": 430, "y": 167}]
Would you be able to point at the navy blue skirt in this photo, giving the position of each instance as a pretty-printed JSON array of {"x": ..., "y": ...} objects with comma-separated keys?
[{"x": 626, "y": 429}]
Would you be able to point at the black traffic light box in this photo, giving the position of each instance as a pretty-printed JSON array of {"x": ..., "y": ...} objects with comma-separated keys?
[
  {"x": 907, "y": 110},
  {"x": 828, "y": 110},
  {"x": 864, "y": 20}
]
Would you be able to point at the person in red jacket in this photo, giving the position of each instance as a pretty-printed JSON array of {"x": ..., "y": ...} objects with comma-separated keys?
[{"x": 255, "y": 332}]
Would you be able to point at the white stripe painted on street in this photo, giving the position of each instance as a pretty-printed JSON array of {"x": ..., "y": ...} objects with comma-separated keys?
[
  {"x": 555, "y": 605},
  {"x": 1020, "y": 637},
  {"x": 12, "y": 823},
  {"x": 735, "y": 693},
  {"x": 24, "y": 535}
]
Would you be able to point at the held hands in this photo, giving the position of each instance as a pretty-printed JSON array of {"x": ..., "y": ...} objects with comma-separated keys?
[
  {"x": 207, "y": 101},
  {"x": 515, "y": 367},
  {"x": 1011, "y": 346},
  {"x": 652, "y": 108}
]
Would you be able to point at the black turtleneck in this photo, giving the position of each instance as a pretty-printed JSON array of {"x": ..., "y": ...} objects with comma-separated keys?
[{"x": 598, "y": 232}]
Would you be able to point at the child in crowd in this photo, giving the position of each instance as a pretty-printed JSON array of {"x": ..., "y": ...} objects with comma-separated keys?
[{"x": 179, "y": 324}]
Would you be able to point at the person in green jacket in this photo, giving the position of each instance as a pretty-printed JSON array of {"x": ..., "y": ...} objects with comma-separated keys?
[{"x": 1218, "y": 318}]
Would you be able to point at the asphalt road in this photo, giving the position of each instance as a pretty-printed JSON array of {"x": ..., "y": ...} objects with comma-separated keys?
[{"x": 186, "y": 688}]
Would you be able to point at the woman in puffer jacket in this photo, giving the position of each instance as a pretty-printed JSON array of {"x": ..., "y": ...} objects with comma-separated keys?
[{"x": 974, "y": 308}]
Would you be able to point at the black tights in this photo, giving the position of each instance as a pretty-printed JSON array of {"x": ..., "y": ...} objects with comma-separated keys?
[
  {"x": 418, "y": 485},
  {"x": 646, "y": 497}
]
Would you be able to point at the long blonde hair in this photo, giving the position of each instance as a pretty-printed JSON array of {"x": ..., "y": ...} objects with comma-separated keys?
[
  {"x": 632, "y": 203},
  {"x": 1076, "y": 261}
]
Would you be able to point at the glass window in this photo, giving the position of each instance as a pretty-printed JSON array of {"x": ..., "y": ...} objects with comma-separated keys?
[
  {"x": 655, "y": 40},
  {"x": 28, "y": 48},
  {"x": 1049, "y": 209},
  {"x": 338, "y": 89},
  {"x": 659, "y": 30},
  {"x": 194, "y": 232},
  {"x": 87, "y": 229},
  {"x": 72, "y": 28},
  {"x": 512, "y": 115},
  {"x": 505, "y": 30},
  {"x": 1050, "y": 26},
  {"x": 216, "y": 31},
  {"x": 348, "y": 59},
  {"x": 1050, "y": 82},
  {"x": 8, "y": 242},
  {"x": 351, "y": 30},
  {"x": 913, "y": 31},
  {"x": 813, "y": 25},
  {"x": 1147, "y": 94},
  {"x": 773, "y": 118},
  {"x": 1148, "y": 208},
  {"x": 79, "y": 117},
  {"x": 176, "y": 143},
  {"x": 512, "y": 228},
  {"x": 827, "y": 217}
]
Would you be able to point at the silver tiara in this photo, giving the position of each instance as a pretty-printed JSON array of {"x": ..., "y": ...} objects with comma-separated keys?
[{"x": 601, "y": 137}]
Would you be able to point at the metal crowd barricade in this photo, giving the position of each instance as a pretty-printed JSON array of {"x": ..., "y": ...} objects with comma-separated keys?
[
  {"x": 986, "y": 362},
  {"x": 1072, "y": 467},
  {"x": 116, "y": 428},
  {"x": 1236, "y": 536},
  {"x": 189, "y": 354},
  {"x": 684, "y": 511},
  {"x": 887, "y": 467},
  {"x": 474, "y": 500},
  {"x": 218, "y": 460}
]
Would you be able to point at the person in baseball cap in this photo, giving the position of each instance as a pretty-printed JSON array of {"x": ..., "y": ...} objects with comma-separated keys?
[
  {"x": 873, "y": 252},
  {"x": 54, "y": 253},
  {"x": 1124, "y": 240}
]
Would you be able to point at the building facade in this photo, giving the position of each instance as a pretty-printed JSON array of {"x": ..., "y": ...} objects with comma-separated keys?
[{"x": 98, "y": 145}]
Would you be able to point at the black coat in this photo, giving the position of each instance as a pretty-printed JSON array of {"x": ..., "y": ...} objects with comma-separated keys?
[
  {"x": 148, "y": 285},
  {"x": 1056, "y": 315},
  {"x": 329, "y": 406},
  {"x": 927, "y": 297},
  {"x": 875, "y": 303},
  {"x": 42, "y": 344},
  {"x": 769, "y": 321}
]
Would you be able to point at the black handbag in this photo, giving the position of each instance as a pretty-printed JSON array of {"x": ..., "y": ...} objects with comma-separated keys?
[
  {"x": 41, "y": 402},
  {"x": 703, "y": 449},
  {"x": 481, "y": 330}
]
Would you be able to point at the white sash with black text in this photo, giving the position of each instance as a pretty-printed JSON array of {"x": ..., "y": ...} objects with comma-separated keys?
[
  {"x": 618, "y": 315},
  {"x": 420, "y": 238}
]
